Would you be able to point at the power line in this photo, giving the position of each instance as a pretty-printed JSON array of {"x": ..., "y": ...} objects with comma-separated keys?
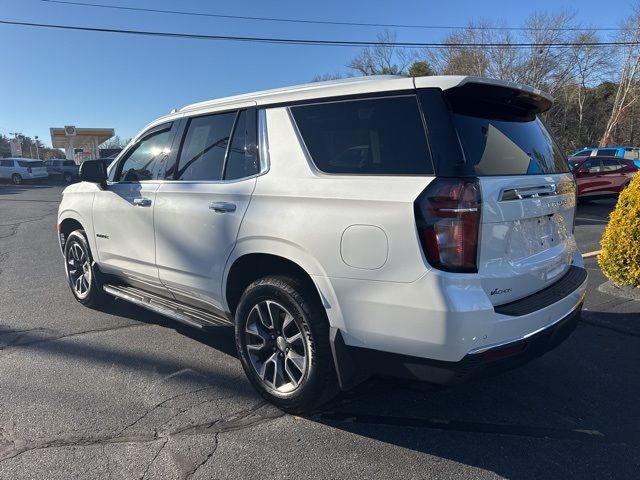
[
  {"x": 320, "y": 22},
  {"x": 301, "y": 41}
]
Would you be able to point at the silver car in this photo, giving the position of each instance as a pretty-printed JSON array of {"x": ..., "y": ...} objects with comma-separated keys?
[{"x": 19, "y": 169}]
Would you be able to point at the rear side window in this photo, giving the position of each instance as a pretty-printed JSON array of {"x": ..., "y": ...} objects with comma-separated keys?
[
  {"x": 610, "y": 165},
  {"x": 69, "y": 163},
  {"x": 632, "y": 154},
  {"x": 381, "y": 136},
  {"x": 606, "y": 152},
  {"x": 6, "y": 163},
  {"x": 204, "y": 147},
  {"x": 242, "y": 160},
  {"x": 26, "y": 164}
]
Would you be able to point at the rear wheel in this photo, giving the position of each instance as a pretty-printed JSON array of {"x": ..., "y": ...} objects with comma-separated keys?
[
  {"x": 282, "y": 336},
  {"x": 16, "y": 179},
  {"x": 80, "y": 271},
  {"x": 68, "y": 178}
]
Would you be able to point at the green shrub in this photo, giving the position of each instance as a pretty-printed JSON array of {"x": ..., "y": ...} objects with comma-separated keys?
[{"x": 620, "y": 257}]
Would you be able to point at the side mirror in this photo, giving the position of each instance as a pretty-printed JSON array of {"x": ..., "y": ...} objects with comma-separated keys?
[{"x": 93, "y": 171}]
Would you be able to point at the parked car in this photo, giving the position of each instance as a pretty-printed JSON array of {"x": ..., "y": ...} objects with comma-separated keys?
[
  {"x": 629, "y": 153},
  {"x": 601, "y": 177},
  {"x": 66, "y": 170},
  {"x": 19, "y": 169},
  {"x": 419, "y": 228}
]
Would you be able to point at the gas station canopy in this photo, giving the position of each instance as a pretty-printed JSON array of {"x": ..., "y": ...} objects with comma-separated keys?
[{"x": 80, "y": 144}]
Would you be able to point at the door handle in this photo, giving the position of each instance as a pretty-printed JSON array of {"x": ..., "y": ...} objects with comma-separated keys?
[
  {"x": 142, "y": 202},
  {"x": 222, "y": 207}
]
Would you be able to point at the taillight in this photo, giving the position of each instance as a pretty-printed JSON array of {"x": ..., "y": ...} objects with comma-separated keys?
[{"x": 448, "y": 221}]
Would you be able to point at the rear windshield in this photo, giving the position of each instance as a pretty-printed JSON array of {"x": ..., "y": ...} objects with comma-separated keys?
[
  {"x": 375, "y": 136},
  {"x": 24, "y": 163},
  {"x": 504, "y": 147}
]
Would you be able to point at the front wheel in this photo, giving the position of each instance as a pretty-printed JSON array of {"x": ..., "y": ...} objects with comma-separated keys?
[
  {"x": 68, "y": 178},
  {"x": 79, "y": 269},
  {"x": 282, "y": 336}
]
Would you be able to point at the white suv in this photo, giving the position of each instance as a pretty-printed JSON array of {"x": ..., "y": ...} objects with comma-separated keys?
[
  {"x": 411, "y": 227},
  {"x": 20, "y": 169}
]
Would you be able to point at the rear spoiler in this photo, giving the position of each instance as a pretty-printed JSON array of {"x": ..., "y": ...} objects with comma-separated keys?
[{"x": 486, "y": 97}]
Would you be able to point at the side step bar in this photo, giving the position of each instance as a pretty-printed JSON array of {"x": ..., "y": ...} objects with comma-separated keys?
[{"x": 191, "y": 316}]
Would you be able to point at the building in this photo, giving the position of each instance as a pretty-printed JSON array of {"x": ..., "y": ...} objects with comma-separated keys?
[{"x": 80, "y": 144}]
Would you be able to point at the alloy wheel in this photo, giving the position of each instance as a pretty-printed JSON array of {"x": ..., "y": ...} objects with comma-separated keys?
[
  {"x": 79, "y": 270},
  {"x": 276, "y": 347}
]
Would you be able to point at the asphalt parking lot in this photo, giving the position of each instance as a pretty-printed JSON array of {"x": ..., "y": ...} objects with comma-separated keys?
[{"x": 123, "y": 393}]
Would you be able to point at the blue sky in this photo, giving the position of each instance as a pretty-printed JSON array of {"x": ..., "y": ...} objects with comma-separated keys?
[{"x": 120, "y": 81}]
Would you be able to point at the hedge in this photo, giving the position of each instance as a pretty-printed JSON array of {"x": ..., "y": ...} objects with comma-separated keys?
[{"x": 620, "y": 256}]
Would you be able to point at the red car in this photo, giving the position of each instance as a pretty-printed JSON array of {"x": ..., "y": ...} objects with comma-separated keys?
[{"x": 601, "y": 177}]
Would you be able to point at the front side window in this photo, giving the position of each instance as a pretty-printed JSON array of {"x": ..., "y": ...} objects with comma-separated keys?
[
  {"x": 378, "y": 136},
  {"x": 141, "y": 162},
  {"x": 69, "y": 163},
  {"x": 204, "y": 147}
]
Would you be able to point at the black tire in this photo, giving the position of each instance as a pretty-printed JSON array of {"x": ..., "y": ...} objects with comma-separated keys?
[
  {"x": 68, "y": 178},
  {"x": 16, "y": 179},
  {"x": 88, "y": 291},
  {"x": 318, "y": 383}
]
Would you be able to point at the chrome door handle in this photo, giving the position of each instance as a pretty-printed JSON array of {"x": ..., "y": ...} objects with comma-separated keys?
[
  {"x": 142, "y": 202},
  {"x": 222, "y": 207}
]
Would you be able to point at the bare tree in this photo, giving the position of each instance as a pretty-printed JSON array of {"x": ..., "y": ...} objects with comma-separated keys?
[
  {"x": 627, "y": 91},
  {"x": 590, "y": 65},
  {"x": 383, "y": 58}
]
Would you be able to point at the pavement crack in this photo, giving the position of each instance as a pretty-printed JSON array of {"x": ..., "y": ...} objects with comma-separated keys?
[
  {"x": 193, "y": 471},
  {"x": 238, "y": 421},
  {"x": 164, "y": 444},
  {"x": 13, "y": 227}
]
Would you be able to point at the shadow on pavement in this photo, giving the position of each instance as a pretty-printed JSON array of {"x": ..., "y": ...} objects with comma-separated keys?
[{"x": 594, "y": 212}]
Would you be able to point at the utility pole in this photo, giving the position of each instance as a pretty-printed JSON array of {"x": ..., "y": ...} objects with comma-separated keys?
[{"x": 37, "y": 149}]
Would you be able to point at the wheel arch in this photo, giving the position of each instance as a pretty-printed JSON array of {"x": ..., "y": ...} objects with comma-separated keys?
[
  {"x": 273, "y": 256},
  {"x": 69, "y": 221}
]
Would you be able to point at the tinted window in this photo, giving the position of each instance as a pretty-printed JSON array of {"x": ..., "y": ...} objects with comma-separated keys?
[
  {"x": 503, "y": 147},
  {"x": 34, "y": 164},
  {"x": 607, "y": 152},
  {"x": 591, "y": 166},
  {"x": 204, "y": 147},
  {"x": 6, "y": 163},
  {"x": 382, "y": 136},
  {"x": 69, "y": 163},
  {"x": 610, "y": 165},
  {"x": 574, "y": 163},
  {"x": 241, "y": 160},
  {"x": 141, "y": 161}
]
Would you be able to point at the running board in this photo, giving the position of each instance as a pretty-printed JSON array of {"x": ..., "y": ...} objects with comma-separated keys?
[{"x": 191, "y": 316}]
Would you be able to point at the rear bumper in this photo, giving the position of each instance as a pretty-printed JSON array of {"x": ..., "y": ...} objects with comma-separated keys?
[{"x": 473, "y": 365}]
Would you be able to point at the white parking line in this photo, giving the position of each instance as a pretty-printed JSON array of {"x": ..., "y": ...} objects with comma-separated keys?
[{"x": 591, "y": 254}]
